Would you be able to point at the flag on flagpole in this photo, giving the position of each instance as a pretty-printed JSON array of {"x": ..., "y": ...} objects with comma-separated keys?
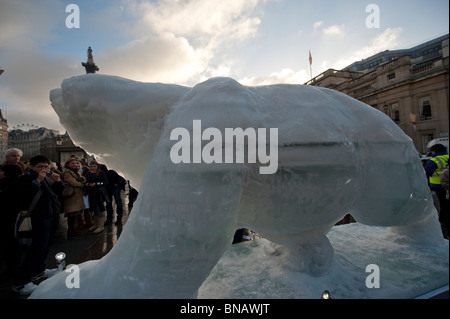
[
  {"x": 310, "y": 64},
  {"x": 413, "y": 120}
]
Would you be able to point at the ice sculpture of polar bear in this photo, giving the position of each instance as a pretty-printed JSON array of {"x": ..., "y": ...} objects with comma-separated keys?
[{"x": 336, "y": 155}]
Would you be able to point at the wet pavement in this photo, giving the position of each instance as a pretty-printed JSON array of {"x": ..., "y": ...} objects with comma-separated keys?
[
  {"x": 78, "y": 249},
  {"x": 89, "y": 246}
]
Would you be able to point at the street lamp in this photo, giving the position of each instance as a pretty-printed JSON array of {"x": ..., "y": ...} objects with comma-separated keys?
[
  {"x": 326, "y": 295},
  {"x": 58, "y": 145},
  {"x": 60, "y": 261}
]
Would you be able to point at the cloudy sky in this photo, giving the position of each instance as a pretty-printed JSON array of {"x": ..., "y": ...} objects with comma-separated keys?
[{"x": 188, "y": 41}]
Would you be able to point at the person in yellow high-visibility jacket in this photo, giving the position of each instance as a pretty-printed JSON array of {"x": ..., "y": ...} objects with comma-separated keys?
[{"x": 433, "y": 169}]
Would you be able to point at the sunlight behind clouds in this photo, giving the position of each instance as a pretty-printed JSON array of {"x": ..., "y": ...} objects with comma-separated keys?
[
  {"x": 177, "y": 41},
  {"x": 163, "y": 58},
  {"x": 186, "y": 42},
  {"x": 204, "y": 19}
]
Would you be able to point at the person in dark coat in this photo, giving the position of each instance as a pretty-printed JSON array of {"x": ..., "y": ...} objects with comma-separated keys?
[
  {"x": 9, "y": 203},
  {"x": 95, "y": 186},
  {"x": 132, "y": 196},
  {"x": 39, "y": 179},
  {"x": 433, "y": 169},
  {"x": 116, "y": 184}
]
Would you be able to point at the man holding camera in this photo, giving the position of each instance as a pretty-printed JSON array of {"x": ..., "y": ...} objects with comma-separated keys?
[{"x": 40, "y": 182}]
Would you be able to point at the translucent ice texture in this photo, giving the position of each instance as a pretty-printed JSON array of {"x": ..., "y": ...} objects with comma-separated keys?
[{"x": 336, "y": 155}]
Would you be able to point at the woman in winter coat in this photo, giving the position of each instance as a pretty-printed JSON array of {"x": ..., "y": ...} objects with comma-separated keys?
[
  {"x": 74, "y": 204},
  {"x": 95, "y": 187}
]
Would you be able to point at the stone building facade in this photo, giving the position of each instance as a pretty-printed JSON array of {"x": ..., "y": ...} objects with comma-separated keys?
[
  {"x": 29, "y": 141},
  {"x": 410, "y": 86},
  {"x": 3, "y": 136},
  {"x": 43, "y": 141}
]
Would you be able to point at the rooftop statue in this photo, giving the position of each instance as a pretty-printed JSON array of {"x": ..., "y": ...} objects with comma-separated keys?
[{"x": 89, "y": 65}]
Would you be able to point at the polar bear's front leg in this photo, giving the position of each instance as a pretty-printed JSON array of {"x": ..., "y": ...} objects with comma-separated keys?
[{"x": 182, "y": 225}]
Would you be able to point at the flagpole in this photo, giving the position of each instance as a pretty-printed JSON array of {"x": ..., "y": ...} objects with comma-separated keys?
[{"x": 310, "y": 64}]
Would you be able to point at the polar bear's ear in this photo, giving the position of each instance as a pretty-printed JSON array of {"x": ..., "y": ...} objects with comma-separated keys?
[{"x": 116, "y": 119}]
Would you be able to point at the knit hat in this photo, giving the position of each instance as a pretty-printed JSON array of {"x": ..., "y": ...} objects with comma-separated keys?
[{"x": 11, "y": 170}]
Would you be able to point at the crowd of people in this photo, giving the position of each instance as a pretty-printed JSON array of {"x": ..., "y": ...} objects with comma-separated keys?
[{"x": 81, "y": 194}]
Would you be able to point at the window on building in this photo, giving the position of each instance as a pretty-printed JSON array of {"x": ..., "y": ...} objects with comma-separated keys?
[
  {"x": 425, "y": 108},
  {"x": 395, "y": 113},
  {"x": 375, "y": 63},
  {"x": 391, "y": 76},
  {"x": 431, "y": 50},
  {"x": 426, "y": 138}
]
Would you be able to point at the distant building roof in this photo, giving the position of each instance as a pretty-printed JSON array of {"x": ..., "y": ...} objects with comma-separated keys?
[{"x": 430, "y": 48}]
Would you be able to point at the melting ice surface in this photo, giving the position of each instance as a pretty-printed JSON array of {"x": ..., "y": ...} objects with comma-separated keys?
[{"x": 336, "y": 156}]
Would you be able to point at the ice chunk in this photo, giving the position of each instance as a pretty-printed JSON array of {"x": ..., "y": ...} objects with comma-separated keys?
[{"x": 335, "y": 155}]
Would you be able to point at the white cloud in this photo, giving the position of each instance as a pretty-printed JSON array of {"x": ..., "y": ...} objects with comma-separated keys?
[
  {"x": 28, "y": 80},
  {"x": 325, "y": 65},
  {"x": 178, "y": 41},
  {"x": 387, "y": 40},
  {"x": 204, "y": 22},
  {"x": 334, "y": 30},
  {"x": 163, "y": 58},
  {"x": 317, "y": 25},
  {"x": 285, "y": 76},
  {"x": 23, "y": 23},
  {"x": 30, "y": 73},
  {"x": 170, "y": 41}
]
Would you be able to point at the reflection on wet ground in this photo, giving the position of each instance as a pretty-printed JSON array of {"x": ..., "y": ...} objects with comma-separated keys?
[
  {"x": 102, "y": 245},
  {"x": 78, "y": 249}
]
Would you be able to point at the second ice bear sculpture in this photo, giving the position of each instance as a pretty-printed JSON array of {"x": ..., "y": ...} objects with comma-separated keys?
[{"x": 336, "y": 155}]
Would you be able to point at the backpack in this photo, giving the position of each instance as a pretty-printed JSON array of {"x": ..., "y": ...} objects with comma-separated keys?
[{"x": 121, "y": 181}]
